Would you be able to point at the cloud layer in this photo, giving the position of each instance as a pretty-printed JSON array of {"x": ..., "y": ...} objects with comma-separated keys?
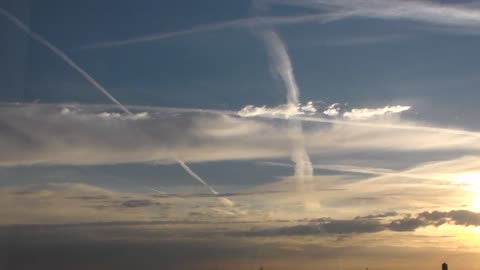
[
  {"x": 60, "y": 134},
  {"x": 372, "y": 224}
]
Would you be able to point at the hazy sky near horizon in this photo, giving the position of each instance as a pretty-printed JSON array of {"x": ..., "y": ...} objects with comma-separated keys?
[{"x": 337, "y": 134}]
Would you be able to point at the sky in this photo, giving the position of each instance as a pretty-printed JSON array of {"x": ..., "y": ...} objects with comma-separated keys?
[{"x": 307, "y": 134}]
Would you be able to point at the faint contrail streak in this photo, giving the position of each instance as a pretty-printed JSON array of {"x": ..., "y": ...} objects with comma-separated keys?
[
  {"x": 224, "y": 200},
  {"x": 379, "y": 125},
  {"x": 379, "y": 172},
  {"x": 89, "y": 78},
  {"x": 281, "y": 63},
  {"x": 63, "y": 56},
  {"x": 248, "y": 22}
]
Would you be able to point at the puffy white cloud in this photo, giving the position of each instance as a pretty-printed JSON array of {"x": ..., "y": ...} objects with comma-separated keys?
[
  {"x": 137, "y": 116},
  {"x": 367, "y": 113},
  {"x": 332, "y": 110},
  {"x": 335, "y": 110},
  {"x": 285, "y": 110}
]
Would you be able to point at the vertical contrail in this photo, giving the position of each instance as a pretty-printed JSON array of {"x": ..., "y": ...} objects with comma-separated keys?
[
  {"x": 63, "y": 56},
  {"x": 281, "y": 63},
  {"x": 91, "y": 80}
]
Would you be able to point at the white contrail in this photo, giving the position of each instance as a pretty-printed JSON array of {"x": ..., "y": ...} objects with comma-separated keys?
[
  {"x": 224, "y": 200},
  {"x": 378, "y": 125},
  {"x": 422, "y": 11},
  {"x": 379, "y": 172},
  {"x": 281, "y": 63},
  {"x": 90, "y": 79},
  {"x": 63, "y": 56},
  {"x": 194, "y": 175},
  {"x": 239, "y": 23}
]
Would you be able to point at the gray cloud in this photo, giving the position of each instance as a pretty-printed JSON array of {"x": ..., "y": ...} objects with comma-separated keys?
[
  {"x": 89, "y": 197},
  {"x": 210, "y": 195},
  {"x": 152, "y": 247},
  {"x": 407, "y": 224},
  {"x": 383, "y": 215},
  {"x": 370, "y": 224},
  {"x": 458, "y": 217},
  {"x": 323, "y": 226},
  {"x": 137, "y": 203}
]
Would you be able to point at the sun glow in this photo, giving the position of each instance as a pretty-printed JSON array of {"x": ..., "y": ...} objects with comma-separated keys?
[
  {"x": 470, "y": 180},
  {"x": 476, "y": 201},
  {"x": 472, "y": 184}
]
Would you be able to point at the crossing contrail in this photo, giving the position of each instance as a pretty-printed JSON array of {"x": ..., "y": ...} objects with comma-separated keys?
[
  {"x": 37, "y": 37},
  {"x": 361, "y": 124},
  {"x": 281, "y": 63},
  {"x": 63, "y": 56}
]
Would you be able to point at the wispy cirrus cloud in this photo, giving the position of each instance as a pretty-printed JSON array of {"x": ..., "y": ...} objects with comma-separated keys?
[
  {"x": 429, "y": 12},
  {"x": 31, "y": 134},
  {"x": 421, "y": 11},
  {"x": 246, "y": 23},
  {"x": 89, "y": 204},
  {"x": 42, "y": 134}
]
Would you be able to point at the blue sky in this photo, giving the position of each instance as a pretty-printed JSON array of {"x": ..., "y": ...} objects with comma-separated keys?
[
  {"x": 385, "y": 61},
  {"x": 284, "y": 131}
]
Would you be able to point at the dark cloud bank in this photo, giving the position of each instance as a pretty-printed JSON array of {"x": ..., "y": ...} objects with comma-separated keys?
[
  {"x": 371, "y": 224},
  {"x": 129, "y": 245}
]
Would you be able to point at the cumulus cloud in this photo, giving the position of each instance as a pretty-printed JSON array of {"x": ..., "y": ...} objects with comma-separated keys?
[
  {"x": 366, "y": 113},
  {"x": 332, "y": 110},
  {"x": 361, "y": 114},
  {"x": 285, "y": 110},
  {"x": 71, "y": 110},
  {"x": 137, "y": 116}
]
